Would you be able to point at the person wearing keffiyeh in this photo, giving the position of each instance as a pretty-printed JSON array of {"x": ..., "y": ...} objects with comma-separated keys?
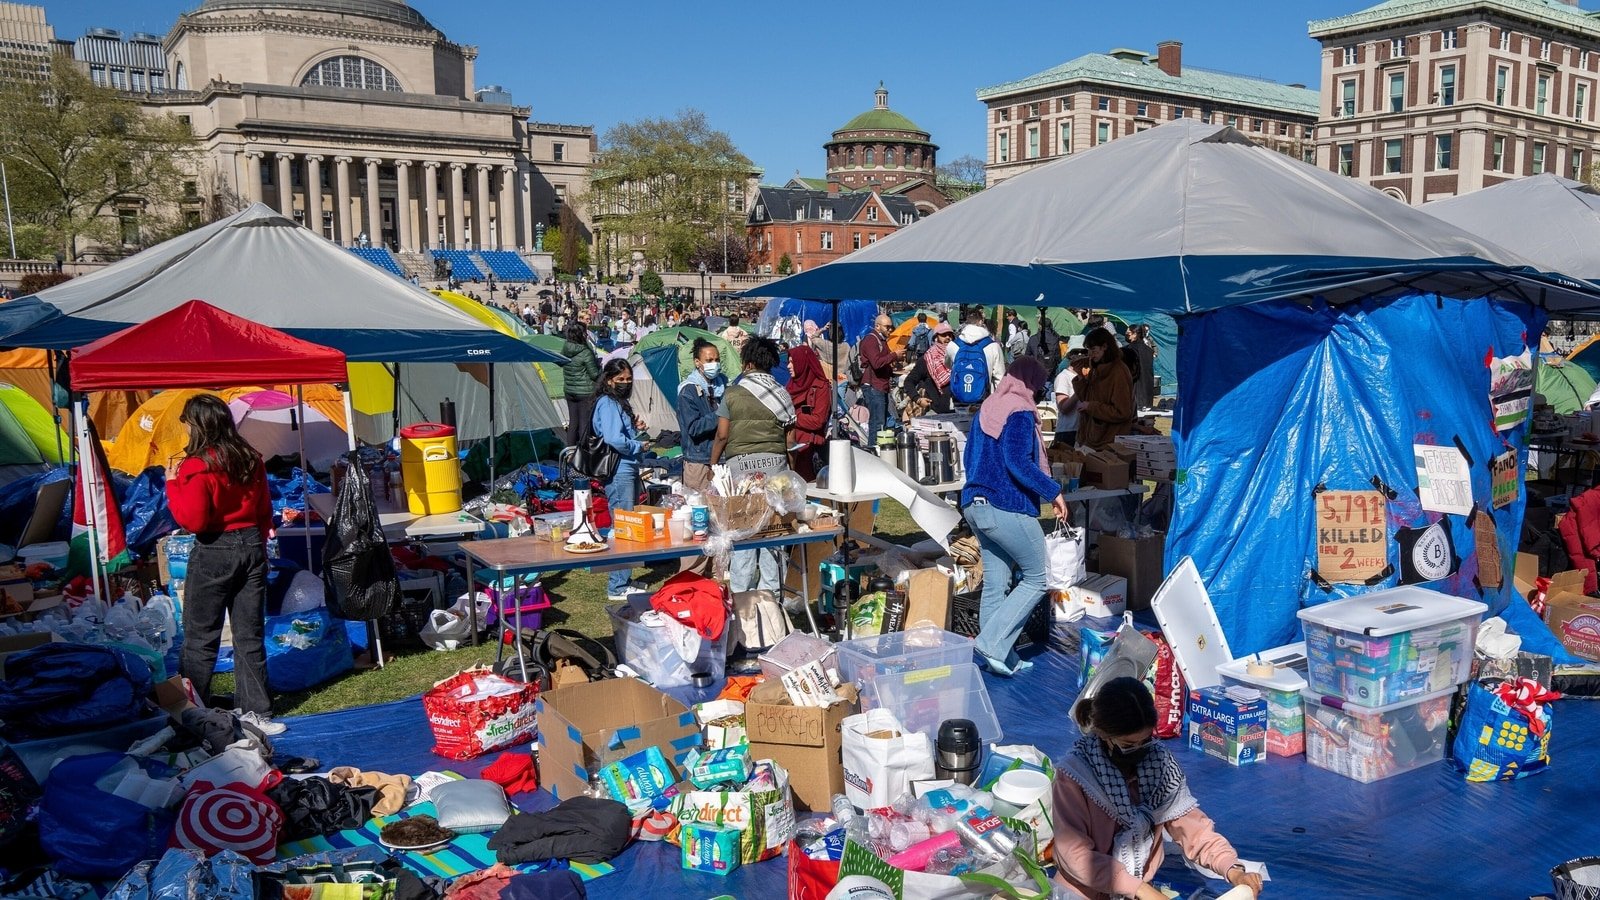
[
  {"x": 1119, "y": 794},
  {"x": 755, "y": 429}
]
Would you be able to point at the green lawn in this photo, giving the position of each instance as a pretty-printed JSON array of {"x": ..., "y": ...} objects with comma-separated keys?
[{"x": 580, "y": 599}]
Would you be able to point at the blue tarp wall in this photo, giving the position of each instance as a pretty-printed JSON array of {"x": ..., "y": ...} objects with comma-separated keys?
[
  {"x": 1279, "y": 398},
  {"x": 855, "y": 316}
]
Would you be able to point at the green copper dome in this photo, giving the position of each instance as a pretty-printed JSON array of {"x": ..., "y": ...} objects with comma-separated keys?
[{"x": 880, "y": 118}]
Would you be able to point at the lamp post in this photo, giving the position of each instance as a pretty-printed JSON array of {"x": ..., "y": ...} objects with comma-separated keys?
[
  {"x": 5, "y": 186},
  {"x": 705, "y": 297}
]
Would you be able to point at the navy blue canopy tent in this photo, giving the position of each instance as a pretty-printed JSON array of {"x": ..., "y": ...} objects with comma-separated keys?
[
  {"x": 1327, "y": 331},
  {"x": 261, "y": 266}
]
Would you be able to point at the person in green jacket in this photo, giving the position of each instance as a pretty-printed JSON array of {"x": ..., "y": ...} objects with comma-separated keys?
[{"x": 580, "y": 374}]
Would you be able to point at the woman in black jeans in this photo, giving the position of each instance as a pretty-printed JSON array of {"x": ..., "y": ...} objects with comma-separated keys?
[
  {"x": 582, "y": 377},
  {"x": 219, "y": 492}
]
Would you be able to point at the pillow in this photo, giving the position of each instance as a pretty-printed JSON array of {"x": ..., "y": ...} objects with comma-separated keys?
[{"x": 470, "y": 805}]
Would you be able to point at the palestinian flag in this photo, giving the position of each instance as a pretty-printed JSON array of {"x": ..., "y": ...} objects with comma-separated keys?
[{"x": 95, "y": 515}]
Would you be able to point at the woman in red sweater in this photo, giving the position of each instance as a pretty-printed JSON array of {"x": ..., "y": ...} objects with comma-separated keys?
[
  {"x": 813, "y": 407},
  {"x": 219, "y": 492}
]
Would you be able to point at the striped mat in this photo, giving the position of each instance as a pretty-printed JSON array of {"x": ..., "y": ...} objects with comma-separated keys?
[{"x": 467, "y": 853}]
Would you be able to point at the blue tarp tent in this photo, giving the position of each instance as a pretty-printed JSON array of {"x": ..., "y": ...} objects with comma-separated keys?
[{"x": 1327, "y": 331}]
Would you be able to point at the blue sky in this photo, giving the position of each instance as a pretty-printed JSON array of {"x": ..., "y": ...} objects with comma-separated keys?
[{"x": 779, "y": 77}]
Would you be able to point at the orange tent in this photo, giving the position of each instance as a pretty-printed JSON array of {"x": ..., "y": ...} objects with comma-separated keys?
[
  {"x": 901, "y": 335},
  {"x": 30, "y": 370}
]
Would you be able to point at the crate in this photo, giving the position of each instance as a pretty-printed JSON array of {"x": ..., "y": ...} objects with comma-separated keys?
[{"x": 964, "y": 614}]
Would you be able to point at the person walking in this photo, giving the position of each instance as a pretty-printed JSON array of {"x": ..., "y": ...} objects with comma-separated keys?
[
  {"x": 698, "y": 399},
  {"x": 921, "y": 335},
  {"x": 618, "y": 425},
  {"x": 1007, "y": 481},
  {"x": 1105, "y": 408},
  {"x": 219, "y": 492},
  {"x": 877, "y": 370},
  {"x": 755, "y": 428},
  {"x": 813, "y": 406},
  {"x": 580, "y": 376}
]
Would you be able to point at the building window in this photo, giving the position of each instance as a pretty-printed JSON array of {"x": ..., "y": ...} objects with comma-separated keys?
[
  {"x": 1103, "y": 104},
  {"x": 1443, "y": 157},
  {"x": 1347, "y": 159},
  {"x": 1002, "y": 147},
  {"x": 855, "y": 241},
  {"x": 850, "y": 156},
  {"x": 129, "y": 220},
  {"x": 1397, "y": 92},
  {"x": 1003, "y": 114},
  {"x": 907, "y": 218},
  {"x": 558, "y": 151},
  {"x": 1144, "y": 110},
  {"x": 1033, "y": 142},
  {"x": 826, "y": 214},
  {"x": 827, "y": 240},
  {"x": 1505, "y": 39},
  {"x": 1544, "y": 49},
  {"x": 799, "y": 242},
  {"x": 1063, "y": 104},
  {"x": 1257, "y": 125},
  {"x": 1447, "y": 39},
  {"x": 888, "y": 156},
  {"x": 137, "y": 80},
  {"x": 868, "y": 156},
  {"x": 1065, "y": 144},
  {"x": 1233, "y": 121},
  {"x": 872, "y": 238},
  {"x": 872, "y": 213},
  {"x": 561, "y": 195},
  {"x": 1393, "y": 156},
  {"x": 1283, "y": 129},
  {"x": 1580, "y": 101},
  {"x": 1350, "y": 55},
  {"x": 760, "y": 211},
  {"x": 1397, "y": 47},
  {"x": 351, "y": 72},
  {"x": 1033, "y": 110},
  {"x": 1577, "y": 164},
  {"x": 1502, "y": 76},
  {"x": 180, "y": 77},
  {"x": 1347, "y": 98},
  {"x": 1538, "y": 159},
  {"x": 1179, "y": 112},
  {"x": 1102, "y": 133},
  {"x": 1497, "y": 158},
  {"x": 1541, "y": 94},
  {"x": 119, "y": 78},
  {"x": 1305, "y": 132},
  {"x": 158, "y": 82},
  {"x": 1447, "y": 85},
  {"x": 800, "y": 213}
]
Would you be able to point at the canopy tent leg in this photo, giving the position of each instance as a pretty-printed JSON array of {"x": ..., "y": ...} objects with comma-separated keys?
[
  {"x": 55, "y": 412},
  {"x": 305, "y": 470},
  {"x": 86, "y": 485},
  {"x": 492, "y": 427},
  {"x": 349, "y": 417}
]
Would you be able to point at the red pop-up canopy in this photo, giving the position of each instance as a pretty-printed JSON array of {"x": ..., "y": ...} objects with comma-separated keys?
[{"x": 199, "y": 345}]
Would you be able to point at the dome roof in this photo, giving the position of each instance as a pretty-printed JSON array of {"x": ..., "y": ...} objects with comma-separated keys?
[
  {"x": 881, "y": 118},
  {"x": 395, "y": 11}
]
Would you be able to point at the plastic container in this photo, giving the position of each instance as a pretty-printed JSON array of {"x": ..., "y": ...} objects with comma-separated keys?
[
  {"x": 430, "y": 469},
  {"x": 863, "y": 660},
  {"x": 511, "y": 592},
  {"x": 1390, "y": 646},
  {"x": 650, "y": 652},
  {"x": 923, "y": 698},
  {"x": 1282, "y": 690},
  {"x": 1372, "y": 744}
]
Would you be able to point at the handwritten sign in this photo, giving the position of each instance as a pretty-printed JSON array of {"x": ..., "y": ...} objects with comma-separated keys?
[
  {"x": 1487, "y": 541},
  {"x": 1444, "y": 482},
  {"x": 1504, "y": 485},
  {"x": 1511, "y": 389},
  {"x": 1352, "y": 535}
]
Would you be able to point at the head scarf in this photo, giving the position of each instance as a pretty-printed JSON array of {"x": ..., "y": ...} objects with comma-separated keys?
[
  {"x": 1014, "y": 394},
  {"x": 807, "y": 371},
  {"x": 1163, "y": 796}
]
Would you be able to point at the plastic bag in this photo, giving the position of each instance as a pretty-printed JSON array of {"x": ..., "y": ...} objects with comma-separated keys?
[
  {"x": 1501, "y": 741},
  {"x": 305, "y": 649},
  {"x": 878, "y": 769},
  {"x": 188, "y": 875},
  {"x": 305, "y": 593},
  {"x": 476, "y": 711},
  {"x": 448, "y": 629},
  {"x": 1128, "y": 653},
  {"x": 1064, "y": 558},
  {"x": 18, "y": 794},
  {"x": 357, "y": 568},
  {"x": 89, "y": 833}
]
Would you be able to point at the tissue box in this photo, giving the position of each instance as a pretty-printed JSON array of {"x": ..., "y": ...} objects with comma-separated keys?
[
  {"x": 709, "y": 849},
  {"x": 1229, "y": 724},
  {"x": 1103, "y": 596}
]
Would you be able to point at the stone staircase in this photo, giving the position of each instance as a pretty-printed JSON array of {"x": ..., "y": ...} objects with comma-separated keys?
[{"x": 416, "y": 263}]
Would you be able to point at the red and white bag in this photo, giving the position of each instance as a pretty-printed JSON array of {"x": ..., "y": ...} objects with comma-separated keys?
[
  {"x": 233, "y": 817},
  {"x": 476, "y": 711},
  {"x": 1166, "y": 685}
]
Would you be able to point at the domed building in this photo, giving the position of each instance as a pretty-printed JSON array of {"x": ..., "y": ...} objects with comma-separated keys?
[{"x": 884, "y": 152}]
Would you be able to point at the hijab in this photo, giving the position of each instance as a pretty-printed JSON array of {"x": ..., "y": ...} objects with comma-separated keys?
[
  {"x": 807, "y": 372},
  {"x": 1013, "y": 394}
]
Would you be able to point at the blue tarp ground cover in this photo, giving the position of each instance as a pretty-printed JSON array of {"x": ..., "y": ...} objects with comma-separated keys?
[
  {"x": 1426, "y": 833},
  {"x": 1279, "y": 398}
]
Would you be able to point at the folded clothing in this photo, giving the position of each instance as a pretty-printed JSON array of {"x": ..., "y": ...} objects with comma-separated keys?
[
  {"x": 560, "y": 884},
  {"x": 585, "y": 829},
  {"x": 392, "y": 789},
  {"x": 513, "y": 771}
]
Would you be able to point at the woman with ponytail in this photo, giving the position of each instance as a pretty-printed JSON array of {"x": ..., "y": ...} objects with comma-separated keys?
[
  {"x": 1119, "y": 794},
  {"x": 615, "y": 422}
]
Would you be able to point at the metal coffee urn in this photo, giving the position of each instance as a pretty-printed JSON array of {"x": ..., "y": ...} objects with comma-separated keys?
[{"x": 941, "y": 460}]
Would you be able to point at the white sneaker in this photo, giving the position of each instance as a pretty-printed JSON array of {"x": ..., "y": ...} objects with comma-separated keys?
[{"x": 263, "y": 724}]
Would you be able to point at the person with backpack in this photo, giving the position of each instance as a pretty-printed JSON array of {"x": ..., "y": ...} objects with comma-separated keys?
[
  {"x": 921, "y": 336},
  {"x": 877, "y": 369},
  {"x": 976, "y": 361},
  {"x": 1046, "y": 345}
]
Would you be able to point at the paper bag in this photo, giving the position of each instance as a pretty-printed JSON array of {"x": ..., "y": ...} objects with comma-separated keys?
[
  {"x": 1064, "y": 558},
  {"x": 881, "y": 758}
]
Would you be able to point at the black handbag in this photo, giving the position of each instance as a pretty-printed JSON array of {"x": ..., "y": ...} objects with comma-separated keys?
[{"x": 596, "y": 458}]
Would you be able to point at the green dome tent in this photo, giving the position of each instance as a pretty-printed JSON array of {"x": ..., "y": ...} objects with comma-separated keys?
[
  {"x": 683, "y": 339},
  {"x": 29, "y": 434},
  {"x": 1564, "y": 385}
]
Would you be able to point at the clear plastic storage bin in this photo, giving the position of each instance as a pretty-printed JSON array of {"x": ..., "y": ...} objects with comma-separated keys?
[
  {"x": 1390, "y": 646},
  {"x": 1373, "y": 744},
  {"x": 864, "y": 660},
  {"x": 1286, "y": 733},
  {"x": 925, "y": 697},
  {"x": 651, "y": 652}
]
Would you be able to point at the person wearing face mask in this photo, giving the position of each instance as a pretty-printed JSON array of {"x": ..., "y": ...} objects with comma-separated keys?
[
  {"x": 697, "y": 404},
  {"x": 1119, "y": 795},
  {"x": 618, "y": 425},
  {"x": 755, "y": 428}
]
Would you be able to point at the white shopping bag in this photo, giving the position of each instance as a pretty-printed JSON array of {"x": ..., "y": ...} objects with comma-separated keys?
[
  {"x": 1064, "y": 558},
  {"x": 881, "y": 758},
  {"x": 450, "y": 629}
]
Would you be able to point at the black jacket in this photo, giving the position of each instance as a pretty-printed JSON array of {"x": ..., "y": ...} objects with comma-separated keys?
[{"x": 585, "y": 829}]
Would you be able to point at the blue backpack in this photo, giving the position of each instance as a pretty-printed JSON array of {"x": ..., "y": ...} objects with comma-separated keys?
[{"x": 969, "y": 374}]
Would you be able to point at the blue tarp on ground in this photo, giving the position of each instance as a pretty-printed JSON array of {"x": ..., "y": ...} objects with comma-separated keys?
[
  {"x": 1426, "y": 833},
  {"x": 1285, "y": 397}
]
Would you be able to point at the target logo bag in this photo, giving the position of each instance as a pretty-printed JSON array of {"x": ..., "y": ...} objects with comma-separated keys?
[{"x": 233, "y": 817}]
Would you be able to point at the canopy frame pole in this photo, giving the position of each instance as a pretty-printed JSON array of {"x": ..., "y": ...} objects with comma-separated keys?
[
  {"x": 838, "y": 395},
  {"x": 305, "y": 470},
  {"x": 492, "y": 427},
  {"x": 55, "y": 411},
  {"x": 98, "y": 577},
  {"x": 349, "y": 417}
]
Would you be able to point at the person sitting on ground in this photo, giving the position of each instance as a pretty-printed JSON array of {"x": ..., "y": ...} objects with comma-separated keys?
[{"x": 1119, "y": 795}]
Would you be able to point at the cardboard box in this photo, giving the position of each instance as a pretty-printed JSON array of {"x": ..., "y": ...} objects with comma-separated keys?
[
  {"x": 1104, "y": 470},
  {"x": 928, "y": 598},
  {"x": 1102, "y": 596},
  {"x": 172, "y": 696},
  {"x": 805, "y": 741},
  {"x": 638, "y": 524},
  {"x": 1575, "y": 620},
  {"x": 1136, "y": 559},
  {"x": 1228, "y": 727},
  {"x": 585, "y": 726}
]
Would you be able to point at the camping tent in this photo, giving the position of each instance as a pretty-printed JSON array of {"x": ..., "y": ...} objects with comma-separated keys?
[
  {"x": 1375, "y": 342},
  {"x": 1551, "y": 220},
  {"x": 275, "y": 425},
  {"x": 29, "y": 435},
  {"x": 682, "y": 339},
  {"x": 30, "y": 370},
  {"x": 1566, "y": 386},
  {"x": 261, "y": 266}
]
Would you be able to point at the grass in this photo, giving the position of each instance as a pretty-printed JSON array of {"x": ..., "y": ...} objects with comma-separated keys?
[{"x": 580, "y": 600}]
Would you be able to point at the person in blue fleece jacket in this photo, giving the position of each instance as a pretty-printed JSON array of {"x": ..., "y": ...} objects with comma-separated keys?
[{"x": 1008, "y": 480}]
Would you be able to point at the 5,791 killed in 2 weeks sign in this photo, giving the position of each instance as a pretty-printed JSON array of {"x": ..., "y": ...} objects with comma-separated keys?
[{"x": 1352, "y": 535}]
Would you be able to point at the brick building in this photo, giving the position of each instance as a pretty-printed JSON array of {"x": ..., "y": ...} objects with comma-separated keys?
[
  {"x": 1100, "y": 97},
  {"x": 813, "y": 226},
  {"x": 1432, "y": 98},
  {"x": 885, "y": 152}
]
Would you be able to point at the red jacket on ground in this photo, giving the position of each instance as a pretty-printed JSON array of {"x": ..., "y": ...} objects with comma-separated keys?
[{"x": 206, "y": 501}]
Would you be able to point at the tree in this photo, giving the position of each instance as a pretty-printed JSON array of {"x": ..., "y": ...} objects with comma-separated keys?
[
  {"x": 962, "y": 177},
  {"x": 712, "y": 251},
  {"x": 81, "y": 156},
  {"x": 572, "y": 248},
  {"x": 650, "y": 284},
  {"x": 785, "y": 264},
  {"x": 665, "y": 183}
]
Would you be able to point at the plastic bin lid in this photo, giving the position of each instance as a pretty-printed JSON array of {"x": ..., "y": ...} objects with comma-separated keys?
[
  {"x": 923, "y": 699},
  {"x": 1392, "y": 611},
  {"x": 1355, "y": 709},
  {"x": 427, "y": 430},
  {"x": 1183, "y": 608},
  {"x": 1290, "y": 660}
]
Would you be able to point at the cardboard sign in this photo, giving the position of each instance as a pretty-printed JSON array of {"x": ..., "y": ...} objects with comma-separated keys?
[
  {"x": 1510, "y": 389},
  {"x": 1504, "y": 485},
  {"x": 1352, "y": 536},
  {"x": 1487, "y": 541},
  {"x": 1444, "y": 482}
]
